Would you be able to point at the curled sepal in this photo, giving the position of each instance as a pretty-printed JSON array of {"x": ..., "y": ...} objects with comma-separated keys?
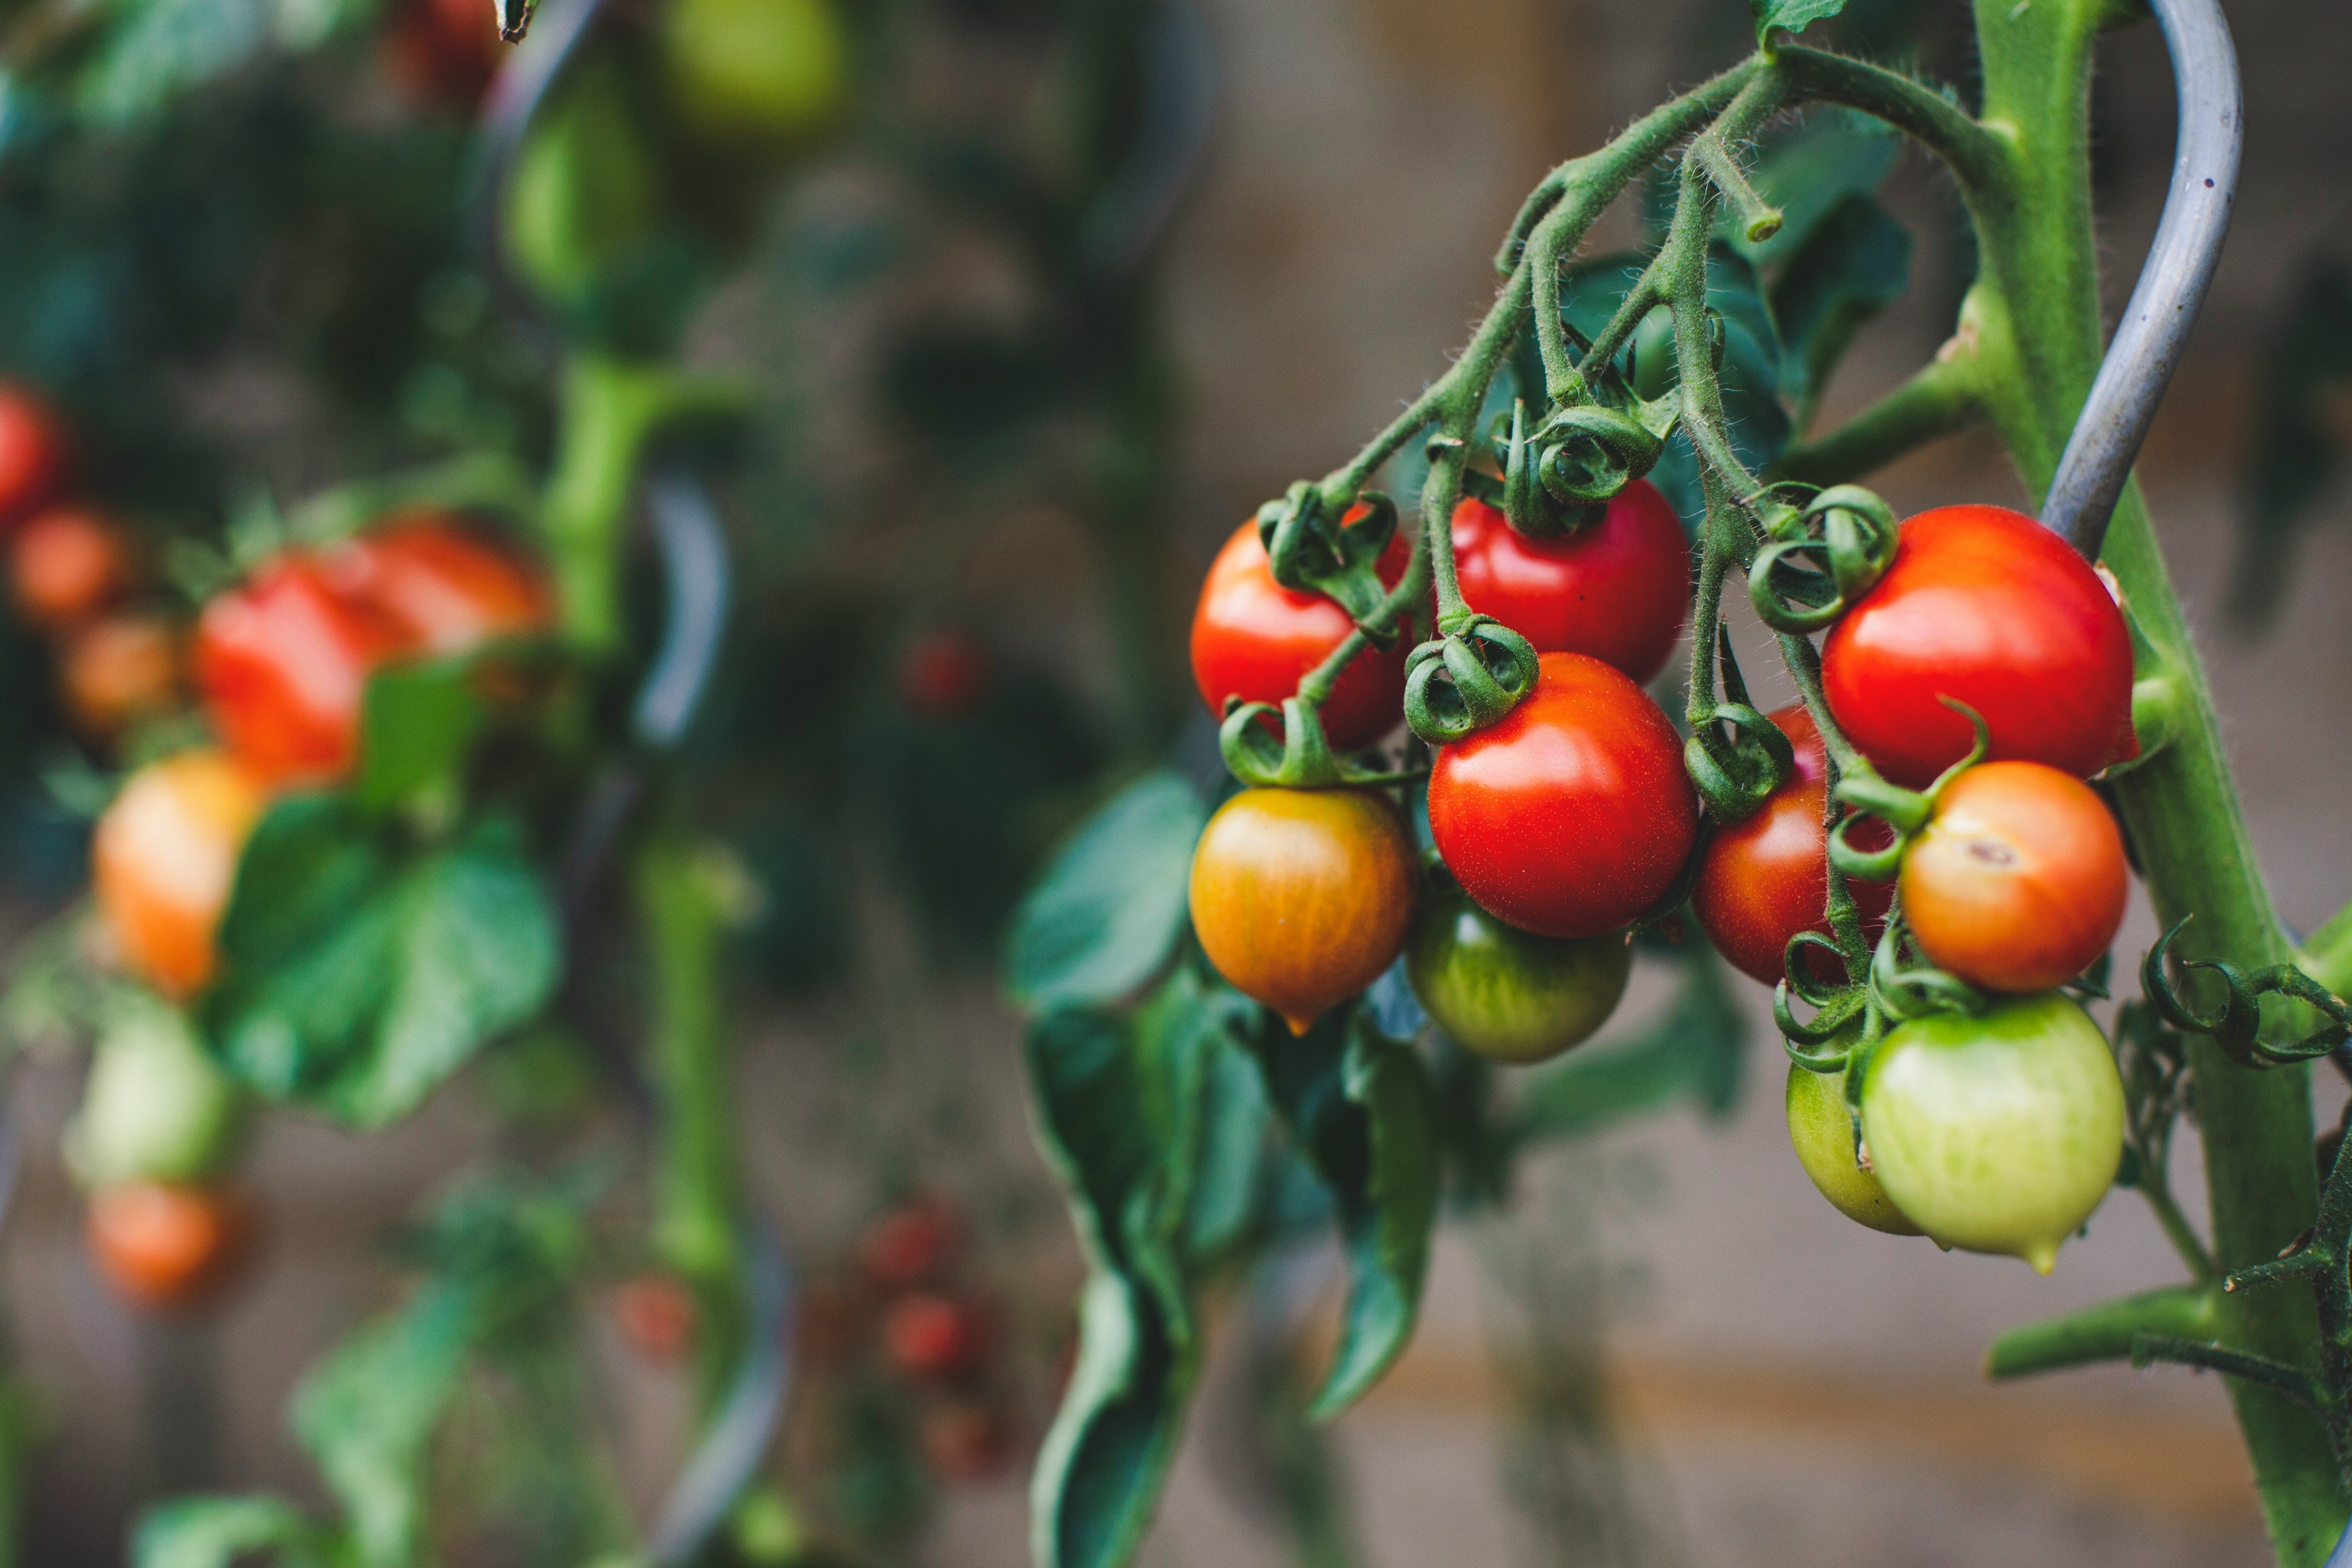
[
  {"x": 1737, "y": 775},
  {"x": 1904, "y": 991},
  {"x": 1487, "y": 668},
  {"x": 1823, "y": 560},
  {"x": 1834, "y": 1007},
  {"x": 1315, "y": 547},
  {"x": 2237, "y": 1027},
  {"x": 1301, "y": 758}
]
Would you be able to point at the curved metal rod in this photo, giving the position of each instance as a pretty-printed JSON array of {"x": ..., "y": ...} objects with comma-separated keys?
[
  {"x": 515, "y": 96},
  {"x": 1179, "y": 111},
  {"x": 2172, "y": 282},
  {"x": 729, "y": 1453},
  {"x": 694, "y": 555},
  {"x": 2342, "y": 1557}
]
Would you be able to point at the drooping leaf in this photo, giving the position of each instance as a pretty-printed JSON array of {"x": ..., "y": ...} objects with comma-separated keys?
[
  {"x": 417, "y": 722},
  {"x": 1112, "y": 905},
  {"x": 1696, "y": 1050},
  {"x": 2302, "y": 435},
  {"x": 1229, "y": 1187},
  {"x": 1795, "y": 16},
  {"x": 1808, "y": 169},
  {"x": 1855, "y": 264},
  {"x": 1359, "y": 1106},
  {"x": 219, "y": 1532}
]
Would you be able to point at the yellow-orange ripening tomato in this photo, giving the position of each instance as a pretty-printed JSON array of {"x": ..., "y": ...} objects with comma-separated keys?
[
  {"x": 118, "y": 670},
  {"x": 168, "y": 1248},
  {"x": 2018, "y": 883},
  {"x": 163, "y": 860},
  {"x": 65, "y": 565},
  {"x": 1302, "y": 897}
]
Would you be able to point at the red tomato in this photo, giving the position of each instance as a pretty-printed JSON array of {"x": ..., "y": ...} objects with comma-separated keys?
[
  {"x": 283, "y": 663},
  {"x": 1616, "y": 590},
  {"x": 441, "y": 584},
  {"x": 119, "y": 670},
  {"x": 1985, "y": 606},
  {"x": 943, "y": 673},
  {"x": 1255, "y": 638},
  {"x": 1573, "y": 815},
  {"x": 965, "y": 1439},
  {"x": 935, "y": 1337},
  {"x": 32, "y": 455},
  {"x": 167, "y": 1249},
  {"x": 66, "y": 565},
  {"x": 2019, "y": 882},
  {"x": 163, "y": 861},
  {"x": 445, "y": 50},
  {"x": 1765, "y": 878},
  {"x": 911, "y": 1244},
  {"x": 654, "y": 1313}
]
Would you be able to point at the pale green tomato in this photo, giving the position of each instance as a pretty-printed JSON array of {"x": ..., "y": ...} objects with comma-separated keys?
[
  {"x": 762, "y": 70},
  {"x": 582, "y": 192},
  {"x": 1996, "y": 1133},
  {"x": 156, "y": 1108},
  {"x": 1506, "y": 994},
  {"x": 1822, "y": 1132}
]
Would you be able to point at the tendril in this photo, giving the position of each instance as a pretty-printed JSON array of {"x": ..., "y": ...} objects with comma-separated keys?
[
  {"x": 1826, "y": 557},
  {"x": 2236, "y": 1028}
]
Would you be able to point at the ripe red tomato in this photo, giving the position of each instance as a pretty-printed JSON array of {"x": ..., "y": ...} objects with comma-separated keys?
[
  {"x": 444, "y": 51},
  {"x": 283, "y": 663},
  {"x": 943, "y": 673},
  {"x": 1765, "y": 878},
  {"x": 2018, "y": 883},
  {"x": 1573, "y": 815},
  {"x": 910, "y": 1245},
  {"x": 65, "y": 565},
  {"x": 444, "y": 586},
  {"x": 1985, "y": 606},
  {"x": 935, "y": 1338},
  {"x": 1302, "y": 897},
  {"x": 32, "y": 453},
  {"x": 965, "y": 1439},
  {"x": 654, "y": 1313},
  {"x": 120, "y": 670},
  {"x": 163, "y": 860},
  {"x": 1255, "y": 638},
  {"x": 1616, "y": 590},
  {"x": 167, "y": 1249}
]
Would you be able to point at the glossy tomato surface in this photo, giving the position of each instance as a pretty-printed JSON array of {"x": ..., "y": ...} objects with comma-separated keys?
[
  {"x": 65, "y": 565},
  {"x": 2018, "y": 883},
  {"x": 1985, "y": 606},
  {"x": 1822, "y": 1132},
  {"x": 1617, "y": 588},
  {"x": 32, "y": 453},
  {"x": 163, "y": 861},
  {"x": 1573, "y": 815},
  {"x": 1255, "y": 638},
  {"x": 165, "y": 1248},
  {"x": 444, "y": 586},
  {"x": 118, "y": 670},
  {"x": 1765, "y": 877},
  {"x": 1302, "y": 897},
  {"x": 1996, "y": 1133},
  {"x": 283, "y": 663},
  {"x": 1504, "y": 994}
]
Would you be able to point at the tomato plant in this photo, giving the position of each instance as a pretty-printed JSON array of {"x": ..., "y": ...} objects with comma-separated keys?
[
  {"x": 444, "y": 588},
  {"x": 168, "y": 1248},
  {"x": 118, "y": 670},
  {"x": 65, "y": 565},
  {"x": 283, "y": 661},
  {"x": 1616, "y": 589},
  {"x": 1506, "y": 994}
]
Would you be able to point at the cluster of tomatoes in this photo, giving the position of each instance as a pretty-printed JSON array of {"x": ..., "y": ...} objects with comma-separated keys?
[{"x": 1573, "y": 819}]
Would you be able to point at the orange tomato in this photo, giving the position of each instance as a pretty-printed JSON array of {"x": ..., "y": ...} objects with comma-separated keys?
[
  {"x": 163, "y": 861},
  {"x": 2018, "y": 883},
  {"x": 119, "y": 670},
  {"x": 66, "y": 565},
  {"x": 284, "y": 662},
  {"x": 167, "y": 1249},
  {"x": 1302, "y": 897},
  {"x": 444, "y": 586}
]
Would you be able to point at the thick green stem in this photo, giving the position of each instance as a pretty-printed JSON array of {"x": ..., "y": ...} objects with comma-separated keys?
[
  {"x": 2104, "y": 1332},
  {"x": 1940, "y": 400}
]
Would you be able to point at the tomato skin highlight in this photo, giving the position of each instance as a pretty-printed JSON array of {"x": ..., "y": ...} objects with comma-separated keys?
[
  {"x": 1255, "y": 638},
  {"x": 1573, "y": 815},
  {"x": 1617, "y": 589},
  {"x": 65, "y": 565},
  {"x": 2018, "y": 883},
  {"x": 283, "y": 663},
  {"x": 1765, "y": 878},
  {"x": 1506, "y": 994},
  {"x": 444, "y": 586},
  {"x": 167, "y": 1249},
  {"x": 163, "y": 861},
  {"x": 33, "y": 459},
  {"x": 1822, "y": 1132},
  {"x": 1998, "y": 1133},
  {"x": 1302, "y": 897},
  {"x": 1986, "y": 607}
]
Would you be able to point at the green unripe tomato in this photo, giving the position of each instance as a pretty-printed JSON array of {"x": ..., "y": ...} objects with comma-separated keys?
[
  {"x": 1821, "y": 1131},
  {"x": 585, "y": 187},
  {"x": 156, "y": 1108},
  {"x": 1506, "y": 994},
  {"x": 1996, "y": 1133},
  {"x": 754, "y": 70}
]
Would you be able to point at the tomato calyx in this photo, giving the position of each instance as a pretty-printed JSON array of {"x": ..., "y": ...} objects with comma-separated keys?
[
  {"x": 1735, "y": 774},
  {"x": 1906, "y": 811},
  {"x": 1561, "y": 475},
  {"x": 2236, "y": 1025},
  {"x": 1822, "y": 559},
  {"x": 1488, "y": 668},
  {"x": 1317, "y": 544},
  {"x": 1302, "y": 759}
]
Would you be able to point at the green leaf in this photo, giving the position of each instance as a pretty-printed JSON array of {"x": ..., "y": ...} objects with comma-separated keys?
[
  {"x": 1697, "y": 1051},
  {"x": 1856, "y": 262},
  {"x": 1795, "y": 16},
  {"x": 155, "y": 51},
  {"x": 1229, "y": 1187},
  {"x": 1110, "y": 909},
  {"x": 218, "y": 1532},
  {"x": 2301, "y": 437},
  {"x": 417, "y": 723},
  {"x": 1359, "y": 1107},
  {"x": 1807, "y": 171}
]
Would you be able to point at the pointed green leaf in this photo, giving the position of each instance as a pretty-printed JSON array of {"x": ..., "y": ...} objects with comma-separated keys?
[
  {"x": 1110, "y": 909},
  {"x": 1795, "y": 16},
  {"x": 1855, "y": 264}
]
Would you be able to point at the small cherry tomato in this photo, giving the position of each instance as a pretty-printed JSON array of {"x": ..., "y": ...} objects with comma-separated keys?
[
  {"x": 1255, "y": 638},
  {"x": 167, "y": 1249},
  {"x": 445, "y": 587},
  {"x": 163, "y": 861},
  {"x": 1765, "y": 877},
  {"x": 2018, "y": 883},
  {"x": 118, "y": 670},
  {"x": 1302, "y": 897},
  {"x": 33, "y": 460},
  {"x": 934, "y": 1337},
  {"x": 1996, "y": 1133},
  {"x": 1821, "y": 1129},
  {"x": 943, "y": 675},
  {"x": 1986, "y": 607},
  {"x": 1506, "y": 994},
  {"x": 585, "y": 190},
  {"x": 754, "y": 70},
  {"x": 155, "y": 1108},
  {"x": 655, "y": 1314},
  {"x": 283, "y": 663},
  {"x": 965, "y": 1439},
  {"x": 444, "y": 51},
  {"x": 1616, "y": 589},
  {"x": 1573, "y": 815},
  {"x": 910, "y": 1245},
  {"x": 65, "y": 565}
]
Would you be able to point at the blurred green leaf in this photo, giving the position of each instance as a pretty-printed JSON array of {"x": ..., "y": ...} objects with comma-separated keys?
[
  {"x": 219, "y": 1532},
  {"x": 1696, "y": 1050},
  {"x": 417, "y": 723},
  {"x": 1113, "y": 905},
  {"x": 1856, "y": 263},
  {"x": 1229, "y": 1187},
  {"x": 1796, "y": 16},
  {"x": 150, "y": 52},
  {"x": 2302, "y": 433},
  {"x": 1809, "y": 169}
]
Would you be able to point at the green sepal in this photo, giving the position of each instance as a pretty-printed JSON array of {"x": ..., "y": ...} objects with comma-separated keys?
[
  {"x": 1824, "y": 558},
  {"x": 1490, "y": 669},
  {"x": 1312, "y": 549}
]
